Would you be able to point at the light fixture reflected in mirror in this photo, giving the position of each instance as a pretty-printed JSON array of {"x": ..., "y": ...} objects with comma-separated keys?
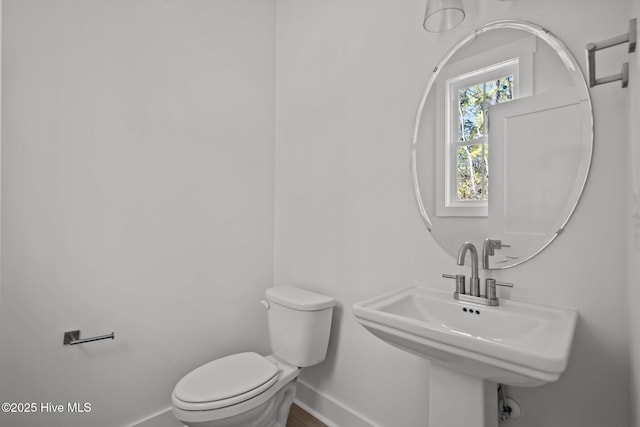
[{"x": 443, "y": 15}]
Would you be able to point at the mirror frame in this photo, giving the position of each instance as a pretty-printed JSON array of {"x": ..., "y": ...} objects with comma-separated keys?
[{"x": 574, "y": 70}]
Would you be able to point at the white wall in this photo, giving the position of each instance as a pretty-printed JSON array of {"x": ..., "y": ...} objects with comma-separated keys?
[
  {"x": 633, "y": 269},
  {"x": 349, "y": 77},
  {"x": 137, "y": 196}
]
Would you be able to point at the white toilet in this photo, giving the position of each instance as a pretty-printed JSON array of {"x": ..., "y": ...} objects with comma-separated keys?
[{"x": 250, "y": 390}]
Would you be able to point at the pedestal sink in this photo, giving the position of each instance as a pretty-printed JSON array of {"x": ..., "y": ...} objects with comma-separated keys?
[{"x": 472, "y": 347}]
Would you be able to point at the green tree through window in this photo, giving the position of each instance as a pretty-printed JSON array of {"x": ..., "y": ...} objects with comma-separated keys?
[{"x": 472, "y": 153}]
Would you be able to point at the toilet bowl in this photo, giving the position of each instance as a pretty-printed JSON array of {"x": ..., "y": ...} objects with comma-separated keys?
[
  {"x": 244, "y": 389},
  {"x": 251, "y": 390}
]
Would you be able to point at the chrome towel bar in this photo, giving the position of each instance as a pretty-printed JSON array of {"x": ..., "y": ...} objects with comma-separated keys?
[
  {"x": 73, "y": 338},
  {"x": 592, "y": 48}
]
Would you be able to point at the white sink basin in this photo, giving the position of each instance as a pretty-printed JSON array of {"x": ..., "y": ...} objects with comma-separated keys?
[{"x": 515, "y": 343}]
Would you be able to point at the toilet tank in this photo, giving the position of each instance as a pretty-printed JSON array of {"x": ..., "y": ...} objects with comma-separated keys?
[{"x": 299, "y": 324}]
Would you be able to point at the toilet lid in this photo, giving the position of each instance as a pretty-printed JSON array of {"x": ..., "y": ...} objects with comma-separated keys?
[{"x": 227, "y": 378}]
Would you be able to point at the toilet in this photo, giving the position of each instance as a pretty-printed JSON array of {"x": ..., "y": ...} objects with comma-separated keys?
[{"x": 251, "y": 390}]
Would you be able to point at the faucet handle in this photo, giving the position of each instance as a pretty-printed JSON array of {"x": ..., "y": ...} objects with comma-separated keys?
[
  {"x": 459, "y": 278},
  {"x": 505, "y": 284},
  {"x": 491, "y": 244},
  {"x": 488, "y": 249},
  {"x": 490, "y": 287}
]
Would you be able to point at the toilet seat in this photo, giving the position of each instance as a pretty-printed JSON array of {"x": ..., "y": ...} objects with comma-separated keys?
[
  {"x": 203, "y": 413},
  {"x": 224, "y": 382}
]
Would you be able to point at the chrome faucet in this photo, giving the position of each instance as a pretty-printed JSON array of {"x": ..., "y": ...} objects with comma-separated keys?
[
  {"x": 490, "y": 297},
  {"x": 474, "y": 285}
]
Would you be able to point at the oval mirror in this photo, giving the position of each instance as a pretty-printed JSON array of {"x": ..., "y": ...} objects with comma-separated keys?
[{"x": 502, "y": 142}]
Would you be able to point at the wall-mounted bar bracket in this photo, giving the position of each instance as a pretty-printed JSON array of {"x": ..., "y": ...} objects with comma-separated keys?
[
  {"x": 73, "y": 338},
  {"x": 630, "y": 37}
]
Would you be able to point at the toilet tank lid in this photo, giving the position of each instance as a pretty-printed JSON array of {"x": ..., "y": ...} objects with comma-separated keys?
[{"x": 299, "y": 299}]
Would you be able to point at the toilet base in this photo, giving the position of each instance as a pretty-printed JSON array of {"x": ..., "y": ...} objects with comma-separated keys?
[{"x": 272, "y": 413}]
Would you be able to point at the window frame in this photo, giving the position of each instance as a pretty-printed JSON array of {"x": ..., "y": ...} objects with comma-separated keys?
[
  {"x": 523, "y": 51},
  {"x": 510, "y": 67}
]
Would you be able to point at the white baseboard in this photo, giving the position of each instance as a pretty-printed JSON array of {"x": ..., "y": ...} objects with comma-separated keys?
[
  {"x": 163, "y": 418},
  {"x": 322, "y": 406},
  {"x": 328, "y": 410}
]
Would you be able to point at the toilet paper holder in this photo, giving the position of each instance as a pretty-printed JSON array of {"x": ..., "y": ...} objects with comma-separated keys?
[{"x": 73, "y": 338}]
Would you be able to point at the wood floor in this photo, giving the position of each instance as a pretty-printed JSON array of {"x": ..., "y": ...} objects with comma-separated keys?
[{"x": 298, "y": 417}]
